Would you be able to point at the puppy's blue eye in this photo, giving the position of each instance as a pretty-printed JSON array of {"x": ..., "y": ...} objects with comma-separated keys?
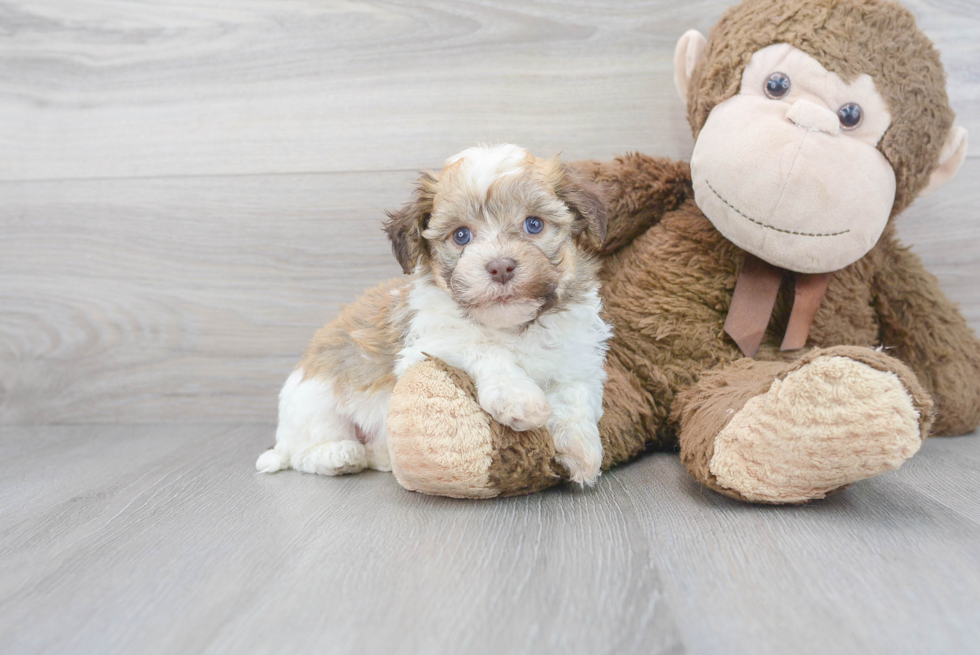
[
  {"x": 533, "y": 225},
  {"x": 462, "y": 236}
]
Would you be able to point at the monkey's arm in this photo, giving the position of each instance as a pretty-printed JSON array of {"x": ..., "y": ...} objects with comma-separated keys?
[
  {"x": 926, "y": 330},
  {"x": 639, "y": 190}
]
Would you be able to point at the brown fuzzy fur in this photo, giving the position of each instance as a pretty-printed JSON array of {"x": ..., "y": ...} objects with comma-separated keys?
[
  {"x": 667, "y": 294},
  {"x": 404, "y": 227},
  {"x": 638, "y": 190},
  {"x": 883, "y": 41},
  {"x": 669, "y": 275},
  {"x": 701, "y": 411},
  {"x": 357, "y": 349}
]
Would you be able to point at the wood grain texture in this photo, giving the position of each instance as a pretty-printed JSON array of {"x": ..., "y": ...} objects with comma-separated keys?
[
  {"x": 944, "y": 230},
  {"x": 96, "y": 88},
  {"x": 163, "y": 540},
  {"x": 191, "y": 299},
  {"x": 164, "y": 255},
  {"x": 187, "y": 190},
  {"x": 890, "y": 565},
  {"x": 156, "y": 300}
]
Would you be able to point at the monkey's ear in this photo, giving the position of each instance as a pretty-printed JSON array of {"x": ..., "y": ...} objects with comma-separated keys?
[
  {"x": 405, "y": 226},
  {"x": 586, "y": 200},
  {"x": 687, "y": 54},
  {"x": 950, "y": 159}
]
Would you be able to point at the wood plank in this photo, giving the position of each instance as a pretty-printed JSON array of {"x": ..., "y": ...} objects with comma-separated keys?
[
  {"x": 161, "y": 299},
  {"x": 890, "y": 565},
  {"x": 190, "y": 299},
  {"x": 944, "y": 231},
  {"x": 164, "y": 540},
  {"x": 157, "y": 539},
  {"x": 122, "y": 89}
]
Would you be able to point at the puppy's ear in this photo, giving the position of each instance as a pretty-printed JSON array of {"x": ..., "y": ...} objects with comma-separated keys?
[
  {"x": 588, "y": 203},
  {"x": 405, "y": 226}
]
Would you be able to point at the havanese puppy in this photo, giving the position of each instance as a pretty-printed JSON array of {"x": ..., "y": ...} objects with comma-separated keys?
[{"x": 501, "y": 247}]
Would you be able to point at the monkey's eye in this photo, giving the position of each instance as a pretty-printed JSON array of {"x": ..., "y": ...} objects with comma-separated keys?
[
  {"x": 850, "y": 115},
  {"x": 533, "y": 225},
  {"x": 462, "y": 236},
  {"x": 777, "y": 85}
]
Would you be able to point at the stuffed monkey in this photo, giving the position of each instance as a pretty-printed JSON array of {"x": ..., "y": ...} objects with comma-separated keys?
[{"x": 766, "y": 319}]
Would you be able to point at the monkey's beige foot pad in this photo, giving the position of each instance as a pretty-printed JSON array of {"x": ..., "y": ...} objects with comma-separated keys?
[
  {"x": 442, "y": 442},
  {"x": 827, "y": 424}
]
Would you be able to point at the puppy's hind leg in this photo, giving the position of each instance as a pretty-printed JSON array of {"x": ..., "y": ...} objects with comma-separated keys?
[
  {"x": 376, "y": 447},
  {"x": 313, "y": 436},
  {"x": 369, "y": 412}
]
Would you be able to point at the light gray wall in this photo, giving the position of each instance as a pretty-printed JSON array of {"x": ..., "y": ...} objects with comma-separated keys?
[{"x": 187, "y": 192}]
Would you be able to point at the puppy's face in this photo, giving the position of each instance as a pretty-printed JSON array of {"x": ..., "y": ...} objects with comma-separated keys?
[{"x": 507, "y": 235}]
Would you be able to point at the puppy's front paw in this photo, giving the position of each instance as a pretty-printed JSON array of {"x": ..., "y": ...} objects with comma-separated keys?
[
  {"x": 579, "y": 450},
  {"x": 518, "y": 404}
]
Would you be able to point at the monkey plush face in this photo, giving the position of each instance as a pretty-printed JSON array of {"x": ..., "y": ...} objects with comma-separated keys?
[
  {"x": 789, "y": 169},
  {"x": 815, "y": 122}
]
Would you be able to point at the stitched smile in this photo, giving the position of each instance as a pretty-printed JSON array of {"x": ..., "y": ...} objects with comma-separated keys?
[{"x": 773, "y": 227}]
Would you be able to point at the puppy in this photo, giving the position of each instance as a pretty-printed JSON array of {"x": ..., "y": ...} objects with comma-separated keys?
[{"x": 502, "y": 248}]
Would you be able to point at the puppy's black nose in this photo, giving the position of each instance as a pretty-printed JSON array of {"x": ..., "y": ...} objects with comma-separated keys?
[{"x": 501, "y": 270}]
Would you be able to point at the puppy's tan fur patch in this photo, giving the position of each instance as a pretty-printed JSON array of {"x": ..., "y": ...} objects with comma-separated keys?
[{"x": 357, "y": 349}]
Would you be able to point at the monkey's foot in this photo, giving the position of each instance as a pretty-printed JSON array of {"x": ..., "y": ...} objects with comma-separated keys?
[{"x": 832, "y": 418}]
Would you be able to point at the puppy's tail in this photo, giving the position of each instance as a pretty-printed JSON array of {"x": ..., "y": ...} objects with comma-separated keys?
[{"x": 269, "y": 462}]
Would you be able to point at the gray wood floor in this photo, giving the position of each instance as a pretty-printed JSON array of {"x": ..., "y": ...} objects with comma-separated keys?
[
  {"x": 187, "y": 190},
  {"x": 161, "y": 539}
]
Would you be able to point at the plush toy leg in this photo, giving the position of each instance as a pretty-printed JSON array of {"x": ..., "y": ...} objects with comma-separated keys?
[
  {"x": 443, "y": 443},
  {"x": 772, "y": 432}
]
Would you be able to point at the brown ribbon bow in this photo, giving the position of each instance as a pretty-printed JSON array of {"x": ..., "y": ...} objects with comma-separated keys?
[{"x": 755, "y": 296}]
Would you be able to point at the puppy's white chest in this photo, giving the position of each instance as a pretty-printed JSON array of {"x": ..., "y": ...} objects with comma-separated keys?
[
  {"x": 568, "y": 345},
  {"x": 545, "y": 354}
]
